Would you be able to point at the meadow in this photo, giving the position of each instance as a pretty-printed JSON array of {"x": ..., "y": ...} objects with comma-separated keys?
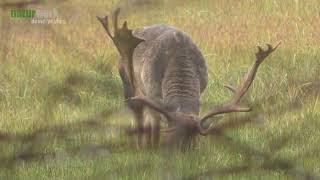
[{"x": 62, "y": 111}]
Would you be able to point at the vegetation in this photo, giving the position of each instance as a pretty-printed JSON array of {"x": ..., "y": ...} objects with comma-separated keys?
[{"x": 62, "y": 114}]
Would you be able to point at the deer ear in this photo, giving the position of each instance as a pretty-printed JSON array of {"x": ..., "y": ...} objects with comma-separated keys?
[{"x": 153, "y": 105}]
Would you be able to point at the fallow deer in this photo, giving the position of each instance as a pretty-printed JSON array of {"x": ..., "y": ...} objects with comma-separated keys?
[{"x": 161, "y": 68}]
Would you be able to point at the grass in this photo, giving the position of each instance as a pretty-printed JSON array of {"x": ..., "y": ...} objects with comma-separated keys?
[{"x": 58, "y": 75}]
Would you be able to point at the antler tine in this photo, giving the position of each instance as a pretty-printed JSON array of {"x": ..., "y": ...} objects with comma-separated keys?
[
  {"x": 262, "y": 54},
  {"x": 276, "y": 46},
  {"x": 228, "y": 108},
  {"x": 105, "y": 23},
  {"x": 115, "y": 18},
  {"x": 231, "y": 88},
  {"x": 153, "y": 106},
  {"x": 125, "y": 26},
  {"x": 239, "y": 92},
  {"x": 249, "y": 77}
]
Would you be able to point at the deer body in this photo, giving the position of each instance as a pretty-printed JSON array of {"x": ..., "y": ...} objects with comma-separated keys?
[
  {"x": 162, "y": 69},
  {"x": 169, "y": 68}
]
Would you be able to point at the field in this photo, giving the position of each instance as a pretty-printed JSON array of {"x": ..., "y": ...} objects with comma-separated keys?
[{"x": 62, "y": 111}]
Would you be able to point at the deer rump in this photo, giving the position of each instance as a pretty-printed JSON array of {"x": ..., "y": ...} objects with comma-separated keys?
[{"x": 169, "y": 68}]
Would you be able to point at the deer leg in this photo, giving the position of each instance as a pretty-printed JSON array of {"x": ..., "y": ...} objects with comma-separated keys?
[
  {"x": 138, "y": 116},
  {"x": 155, "y": 128},
  {"x": 135, "y": 107},
  {"x": 147, "y": 135},
  {"x": 152, "y": 128}
]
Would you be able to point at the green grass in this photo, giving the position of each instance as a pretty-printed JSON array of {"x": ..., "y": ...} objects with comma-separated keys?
[{"x": 59, "y": 75}]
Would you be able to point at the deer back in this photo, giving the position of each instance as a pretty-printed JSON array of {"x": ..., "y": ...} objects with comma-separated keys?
[{"x": 169, "y": 67}]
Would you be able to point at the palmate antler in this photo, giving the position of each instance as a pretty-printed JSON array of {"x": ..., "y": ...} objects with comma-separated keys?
[
  {"x": 232, "y": 105},
  {"x": 123, "y": 40}
]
